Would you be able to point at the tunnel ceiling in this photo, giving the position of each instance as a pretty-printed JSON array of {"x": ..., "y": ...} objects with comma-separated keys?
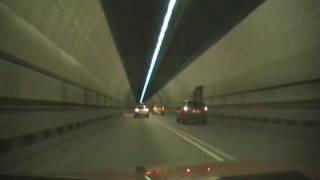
[{"x": 197, "y": 24}]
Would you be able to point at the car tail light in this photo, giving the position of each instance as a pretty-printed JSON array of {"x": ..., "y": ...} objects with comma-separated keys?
[
  {"x": 148, "y": 172},
  {"x": 158, "y": 172},
  {"x": 188, "y": 170},
  {"x": 205, "y": 108},
  {"x": 136, "y": 109},
  {"x": 147, "y": 109},
  {"x": 185, "y": 108}
]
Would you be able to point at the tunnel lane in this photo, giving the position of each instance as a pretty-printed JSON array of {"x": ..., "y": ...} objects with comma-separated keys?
[
  {"x": 253, "y": 141},
  {"x": 118, "y": 143},
  {"x": 123, "y": 143}
]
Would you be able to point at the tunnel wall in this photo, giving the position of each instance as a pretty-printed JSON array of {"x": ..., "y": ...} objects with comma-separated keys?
[
  {"x": 38, "y": 114},
  {"x": 20, "y": 85},
  {"x": 69, "y": 42},
  {"x": 265, "y": 68},
  {"x": 59, "y": 70}
]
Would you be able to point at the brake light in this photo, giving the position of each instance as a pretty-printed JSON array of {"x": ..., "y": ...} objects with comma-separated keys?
[
  {"x": 185, "y": 108},
  {"x": 158, "y": 172},
  {"x": 205, "y": 108},
  {"x": 136, "y": 110},
  {"x": 147, "y": 109},
  {"x": 148, "y": 172},
  {"x": 188, "y": 170}
]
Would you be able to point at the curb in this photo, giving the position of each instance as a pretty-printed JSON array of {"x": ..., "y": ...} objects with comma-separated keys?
[{"x": 36, "y": 137}]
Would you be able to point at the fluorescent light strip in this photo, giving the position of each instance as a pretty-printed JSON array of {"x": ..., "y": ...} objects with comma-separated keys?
[{"x": 159, "y": 43}]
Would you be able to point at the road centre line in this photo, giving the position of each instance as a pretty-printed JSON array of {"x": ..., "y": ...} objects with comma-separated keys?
[
  {"x": 200, "y": 147},
  {"x": 210, "y": 150},
  {"x": 209, "y": 146}
]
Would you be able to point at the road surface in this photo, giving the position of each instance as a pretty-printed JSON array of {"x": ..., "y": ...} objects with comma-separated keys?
[{"x": 124, "y": 142}]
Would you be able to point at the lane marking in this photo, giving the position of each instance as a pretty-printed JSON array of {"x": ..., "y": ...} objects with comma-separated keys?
[
  {"x": 147, "y": 178},
  {"x": 200, "y": 147},
  {"x": 210, "y": 150},
  {"x": 209, "y": 146}
]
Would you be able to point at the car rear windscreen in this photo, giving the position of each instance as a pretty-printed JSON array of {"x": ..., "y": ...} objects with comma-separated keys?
[
  {"x": 196, "y": 103},
  {"x": 141, "y": 106}
]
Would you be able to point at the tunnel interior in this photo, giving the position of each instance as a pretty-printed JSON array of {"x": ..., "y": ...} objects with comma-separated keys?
[{"x": 71, "y": 73}]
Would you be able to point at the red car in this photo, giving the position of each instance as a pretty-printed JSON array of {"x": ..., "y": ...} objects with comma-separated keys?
[{"x": 192, "y": 111}]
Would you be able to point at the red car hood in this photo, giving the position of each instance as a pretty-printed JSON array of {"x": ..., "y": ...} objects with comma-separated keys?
[{"x": 227, "y": 169}]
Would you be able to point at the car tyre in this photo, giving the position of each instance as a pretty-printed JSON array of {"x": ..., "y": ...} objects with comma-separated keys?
[
  {"x": 204, "y": 121},
  {"x": 147, "y": 115}
]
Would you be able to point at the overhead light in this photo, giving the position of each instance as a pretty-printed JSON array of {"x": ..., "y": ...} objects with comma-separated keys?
[{"x": 155, "y": 55}]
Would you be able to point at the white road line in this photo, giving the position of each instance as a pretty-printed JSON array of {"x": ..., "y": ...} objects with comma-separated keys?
[
  {"x": 209, "y": 146},
  {"x": 205, "y": 147}
]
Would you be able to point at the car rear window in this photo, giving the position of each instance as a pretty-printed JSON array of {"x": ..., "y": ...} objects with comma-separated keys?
[
  {"x": 141, "y": 106},
  {"x": 196, "y": 103}
]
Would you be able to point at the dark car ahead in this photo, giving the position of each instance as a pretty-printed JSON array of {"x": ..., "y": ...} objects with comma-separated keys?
[{"x": 192, "y": 111}]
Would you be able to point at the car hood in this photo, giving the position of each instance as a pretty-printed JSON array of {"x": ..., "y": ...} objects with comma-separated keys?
[{"x": 224, "y": 171}]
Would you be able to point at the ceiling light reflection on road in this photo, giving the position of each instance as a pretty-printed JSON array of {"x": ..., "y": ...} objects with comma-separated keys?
[{"x": 163, "y": 30}]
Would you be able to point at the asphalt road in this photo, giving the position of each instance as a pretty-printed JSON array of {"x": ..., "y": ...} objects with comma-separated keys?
[{"x": 125, "y": 142}]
